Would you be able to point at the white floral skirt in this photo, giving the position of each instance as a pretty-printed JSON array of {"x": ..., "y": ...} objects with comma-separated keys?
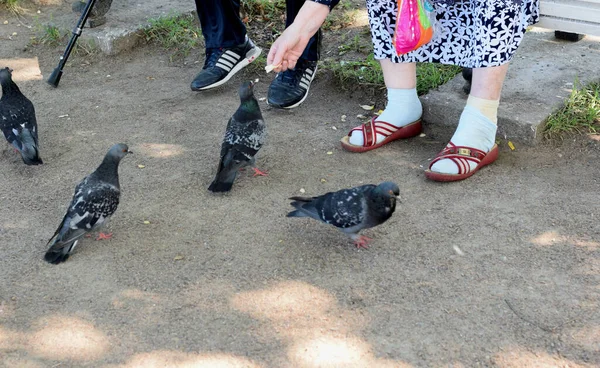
[{"x": 470, "y": 33}]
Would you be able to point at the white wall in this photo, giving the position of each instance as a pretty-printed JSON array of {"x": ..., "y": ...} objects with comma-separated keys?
[{"x": 577, "y": 16}]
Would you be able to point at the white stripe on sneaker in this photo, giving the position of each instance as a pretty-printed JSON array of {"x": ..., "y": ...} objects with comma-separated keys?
[
  {"x": 232, "y": 54},
  {"x": 233, "y": 59},
  {"x": 223, "y": 66}
]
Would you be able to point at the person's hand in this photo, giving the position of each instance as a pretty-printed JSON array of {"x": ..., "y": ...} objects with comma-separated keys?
[{"x": 287, "y": 49}]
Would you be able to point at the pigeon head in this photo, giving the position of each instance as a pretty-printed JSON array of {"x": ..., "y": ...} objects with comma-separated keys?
[
  {"x": 388, "y": 188},
  {"x": 246, "y": 90},
  {"x": 387, "y": 192},
  {"x": 118, "y": 151},
  {"x": 6, "y": 73}
]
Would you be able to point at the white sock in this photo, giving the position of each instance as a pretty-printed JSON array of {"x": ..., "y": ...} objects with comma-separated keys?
[
  {"x": 476, "y": 129},
  {"x": 403, "y": 107}
]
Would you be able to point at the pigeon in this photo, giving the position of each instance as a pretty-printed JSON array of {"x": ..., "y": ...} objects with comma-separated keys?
[
  {"x": 95, "y": 201},
  {"x": 351, "y": 210},
  {"x": 244, "y": 136},
  {"x": 17, "y": 120}
]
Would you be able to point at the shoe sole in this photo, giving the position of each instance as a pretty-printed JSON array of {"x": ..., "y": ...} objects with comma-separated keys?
[
  {"x": 256, "y": 51},
  {"x": 489, "y": 158},
  {"x": 303, "y": 98}
]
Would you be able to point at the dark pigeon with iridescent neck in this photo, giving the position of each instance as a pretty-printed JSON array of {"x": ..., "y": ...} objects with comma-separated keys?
[
  {"x": 244, "y": 136},
  {"x": 351, "y": 210},
  {"x": 17, "y": 120},
  {"x": 95, "y": 201}
]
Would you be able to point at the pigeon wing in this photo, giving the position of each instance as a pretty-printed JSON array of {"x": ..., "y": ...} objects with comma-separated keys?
[
  {"x": 17, "y": 114},
  {"x": 92, "y": 205},
  {"x": 343, "y": 209}
]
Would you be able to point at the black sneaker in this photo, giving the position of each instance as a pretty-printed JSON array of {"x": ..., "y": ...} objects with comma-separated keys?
[
  {"x": 290, "y": 88},
  {"x": 221, "y": 64}
]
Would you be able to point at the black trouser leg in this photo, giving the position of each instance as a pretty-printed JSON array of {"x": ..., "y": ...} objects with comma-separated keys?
[{"x": 221, "y": 23}]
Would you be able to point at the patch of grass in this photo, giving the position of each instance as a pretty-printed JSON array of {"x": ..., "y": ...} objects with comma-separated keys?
[
  {"x": 581, "y": 113},
  {"x": 350, "y": 73},
  {"x": 354, "y": 44},
  {"x": 342, "y": 16},
  {"x": 47, "y": 34},
  {"x": 12, "y": 5},
  {"x": 85, "y": 48},
  {"x": 430, "y": 76},
  {"x": 179, "y": 33},
  {"x": 263, "y": 10},
  {"x": 51, "y": 35},
  {"x": 368, "y": 72}
]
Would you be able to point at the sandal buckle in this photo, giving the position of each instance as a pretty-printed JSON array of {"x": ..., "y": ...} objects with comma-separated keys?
[{"x": 464, "y": 151}]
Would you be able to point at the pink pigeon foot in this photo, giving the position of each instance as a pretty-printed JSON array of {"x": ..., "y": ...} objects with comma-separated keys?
[
  {"x": 102, "y": 236},
  {"x": 362, "y": 241},
  {"x": 257, "y": 172}
]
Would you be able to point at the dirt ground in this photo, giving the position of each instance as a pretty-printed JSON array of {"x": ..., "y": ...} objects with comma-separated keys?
[{"x": 502, "y": 270}]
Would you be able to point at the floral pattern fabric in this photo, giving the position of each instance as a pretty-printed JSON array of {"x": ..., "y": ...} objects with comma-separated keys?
[{"x": 468, "y": 33}]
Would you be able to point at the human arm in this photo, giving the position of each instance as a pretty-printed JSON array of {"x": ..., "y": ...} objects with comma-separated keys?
[{"x": 289, "y": 46}]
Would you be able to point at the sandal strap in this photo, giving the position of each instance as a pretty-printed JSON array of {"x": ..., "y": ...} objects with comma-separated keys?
[
  {"x": 460, "y": 155},
  {"x": 372, "y": 128}
]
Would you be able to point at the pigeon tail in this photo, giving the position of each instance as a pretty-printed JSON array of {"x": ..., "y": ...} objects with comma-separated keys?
[
  {"x": 223, "y": 182},
  {"x": 297, "y": 213},
  {"x": 29, "y": 150},
  {"x": 304, "y": 208},
  {"x": 59, "y": 253}
]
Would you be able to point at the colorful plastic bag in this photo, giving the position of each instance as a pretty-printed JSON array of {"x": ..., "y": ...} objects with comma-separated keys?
[{"x": 414, "y": 25}]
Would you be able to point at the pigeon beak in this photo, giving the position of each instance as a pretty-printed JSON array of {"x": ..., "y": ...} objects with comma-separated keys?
[
  {"x": 131, "y": 152},
  {"x": 10, "y": 70},
  {"x": 398, "y": 199}
]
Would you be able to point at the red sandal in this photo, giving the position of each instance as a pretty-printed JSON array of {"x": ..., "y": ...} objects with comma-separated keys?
[
  {"x": 372, "y": 128},
  {"x": 461, "y": 155}
]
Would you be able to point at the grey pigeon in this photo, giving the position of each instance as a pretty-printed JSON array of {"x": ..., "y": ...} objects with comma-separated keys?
[
  {"x": 17, "y": 120},
  {"x": 244, "y": 136},
  {"x": 95, "y": 201},
  {"x": 351, "y": 210}
]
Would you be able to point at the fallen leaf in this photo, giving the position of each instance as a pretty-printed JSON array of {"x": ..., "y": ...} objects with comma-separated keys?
[
  {"x": 150, "y": 78},
  {"x": 458, "y": 251},
  {"x": 511, "y": 145},
  {"x": 379, "y": 112},
  {"x": 422, "y": 135},
  {"x": 178, "y": 258},
  {"x": 330, "y": 153},
  {"x": 63, "y": 116},
  {"x": 367, "y": 107},
  {"x": 14, "y": 33},
  {"x": 141, "y": 166},
  {"x": 361, "y": 116},
  {"x": 262, "y": 98},
  {"x": 5, "y": 22},
  {"x": 334, "y": 128},
  {"x": 323, "y": 180},
  {"x": 146, "y": 222},
  {"x": 302, "y": 190},
  {"x": 343, "y": 117}
]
